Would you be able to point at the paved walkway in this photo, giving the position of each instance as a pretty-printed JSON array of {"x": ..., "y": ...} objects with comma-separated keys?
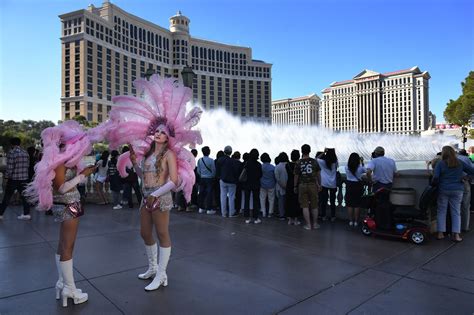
[{"x": 223, "y": 266}]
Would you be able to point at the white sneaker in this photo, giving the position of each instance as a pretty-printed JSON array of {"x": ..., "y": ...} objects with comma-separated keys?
[
  {"x": 117, "y": 207},
  {"x": 307, "y": 227},
  {"x": 258, "y": 221},
  {"x": 296, "y": 222},
  {"x": 351, "y": 223},
  {"x": 316, "y": 226},
  {"x": 202, "y": 210},
  {"x": 248, "y": 221},
  {"x": 24, "y": 217},
  {"x": 211, "y": 212}
]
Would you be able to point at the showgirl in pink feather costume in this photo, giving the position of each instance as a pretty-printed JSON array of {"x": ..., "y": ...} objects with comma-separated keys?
[
  {"x": 55, "y": 187},
  {"x": 156, "y": 126}
]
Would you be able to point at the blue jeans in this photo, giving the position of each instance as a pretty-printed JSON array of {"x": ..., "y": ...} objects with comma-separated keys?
[
  {"x": 453, "y": 197},
  {"x": 206, "y": 193},
  {"x": 227, "y": 190}
]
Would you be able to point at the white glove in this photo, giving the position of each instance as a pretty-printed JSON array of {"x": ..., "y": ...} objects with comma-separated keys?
[
  {"x": 67, "y": 186},
  {"x": 163, "y": 189}
]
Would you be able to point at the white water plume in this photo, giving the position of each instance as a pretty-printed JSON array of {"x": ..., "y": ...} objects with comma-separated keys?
[{"x": 220, "y": 128}]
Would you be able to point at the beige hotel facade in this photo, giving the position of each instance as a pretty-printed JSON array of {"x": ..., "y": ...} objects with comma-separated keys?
[
  {"x": 301, "y": 111},
  {"x": 104, "y": 49},
  {"x": 393, "y": 102}
]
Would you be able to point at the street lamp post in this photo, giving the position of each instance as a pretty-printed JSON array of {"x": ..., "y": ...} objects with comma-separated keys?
[
  {"x": 188, "y": 75},
  {"x": 149, "y": 72},
  {"x": 464, "y": 137}
]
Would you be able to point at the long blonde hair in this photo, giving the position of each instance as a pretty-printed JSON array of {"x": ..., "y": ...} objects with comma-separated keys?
[{"x": 449, "y": 156}]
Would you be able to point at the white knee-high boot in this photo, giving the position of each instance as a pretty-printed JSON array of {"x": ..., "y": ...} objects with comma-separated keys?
[
  {"x": 69, "y": 289},
  {"x": 161, "y": 278},
  {"x": 59, "y": 283},
  {"x": 152, "y": 253}
]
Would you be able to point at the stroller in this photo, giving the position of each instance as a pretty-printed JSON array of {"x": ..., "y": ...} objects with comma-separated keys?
[{"x": 405, "y": 222}]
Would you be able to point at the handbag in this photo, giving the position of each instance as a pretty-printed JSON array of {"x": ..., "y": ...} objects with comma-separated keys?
[{"x": 243, "y": 176}]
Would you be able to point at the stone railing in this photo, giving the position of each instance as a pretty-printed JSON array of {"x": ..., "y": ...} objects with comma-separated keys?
[{"x": 415, "y": 179}]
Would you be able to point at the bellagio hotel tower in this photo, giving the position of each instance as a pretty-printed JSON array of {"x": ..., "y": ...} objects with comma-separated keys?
[{"x": 104, "y": 49}]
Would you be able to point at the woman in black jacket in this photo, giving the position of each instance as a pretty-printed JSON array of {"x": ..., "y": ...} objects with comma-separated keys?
[
  {"x": 252, "y": 185},
  {"x": 292, "y": 206}
]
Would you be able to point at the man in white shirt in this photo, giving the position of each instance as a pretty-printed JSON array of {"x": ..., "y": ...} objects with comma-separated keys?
[{"x": 381, "y": 170}]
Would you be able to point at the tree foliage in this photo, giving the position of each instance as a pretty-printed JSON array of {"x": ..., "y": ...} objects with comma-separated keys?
[
  {"x": 460, "y": 111},
  {"x": 29, "y": 131}
]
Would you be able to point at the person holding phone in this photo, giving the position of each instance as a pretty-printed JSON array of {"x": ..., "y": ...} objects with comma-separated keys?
[
  {"x": 156, "y": 141},
  {"x": 65, "y": 146}
]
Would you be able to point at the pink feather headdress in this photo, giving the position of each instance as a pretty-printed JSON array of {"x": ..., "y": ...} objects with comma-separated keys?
[
  {"x": 161, "y": 105},
  {"x": 77, "y": 144}
]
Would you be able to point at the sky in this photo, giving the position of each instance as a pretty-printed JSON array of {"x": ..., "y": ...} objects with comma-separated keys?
[{"x": 310, "y": 43}]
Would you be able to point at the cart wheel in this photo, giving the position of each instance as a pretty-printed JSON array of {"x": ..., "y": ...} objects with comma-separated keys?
[
  {"x": 417, "y": 237},
  {"x": 365, "y": 230}
]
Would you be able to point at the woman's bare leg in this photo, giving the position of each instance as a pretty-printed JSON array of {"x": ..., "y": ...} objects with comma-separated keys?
[
  {"x": 356, "y": 214},
  {"x": 146, "y": 226},
  {"x": 162, "y": 220},
  {"x": 67, "y": 238},
  {"x": 351, "y": 213}
]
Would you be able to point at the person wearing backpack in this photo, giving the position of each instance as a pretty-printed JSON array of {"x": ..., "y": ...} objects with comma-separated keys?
[
  {"x": 228, "y": 174},
  {"x": 206, "y": 170},
  {"x": 307, "y": 184}
]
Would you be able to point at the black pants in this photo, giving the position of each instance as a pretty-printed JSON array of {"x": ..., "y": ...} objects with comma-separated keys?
[
  {"x": 325, "y": 194},
  {"x": 179, "y": 199},
  {"x": 472, "y": 197},
  {"x": 238, "y": 199},
  {"x": 13, "y": 185},
  {"x": 194, "y": 194},
  {"x": 256, "y": 202},
  {"x": 127, "y": 193}
]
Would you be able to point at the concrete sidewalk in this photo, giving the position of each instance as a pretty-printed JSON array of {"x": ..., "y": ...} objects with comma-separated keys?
[{"x": 224, "y": 266}]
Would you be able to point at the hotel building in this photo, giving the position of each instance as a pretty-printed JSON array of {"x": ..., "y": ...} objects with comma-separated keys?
[
  {"x": 104, "y": 49},
  {"x": 394, "y": 102},
  {"x": 302, "y": 110}
]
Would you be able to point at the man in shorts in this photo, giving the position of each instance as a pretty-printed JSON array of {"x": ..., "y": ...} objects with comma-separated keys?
[{"x": 307, "y": 185}]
